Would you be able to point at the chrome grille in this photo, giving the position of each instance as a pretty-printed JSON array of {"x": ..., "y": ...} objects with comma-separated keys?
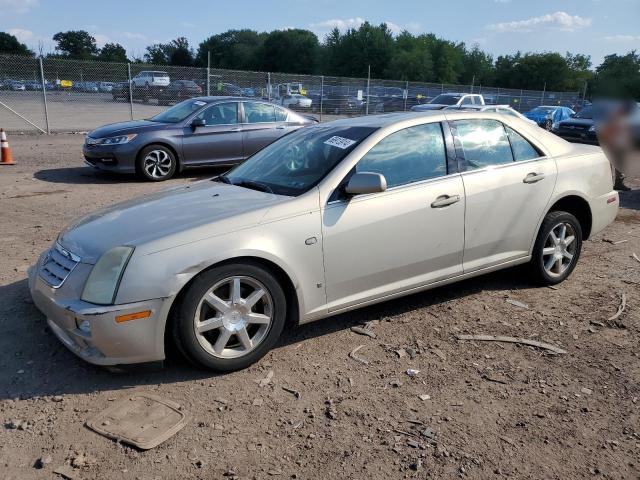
[{"x": 57, "y": 265}]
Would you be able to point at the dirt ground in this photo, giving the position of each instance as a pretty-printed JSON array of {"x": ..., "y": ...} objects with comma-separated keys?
[{"x": 493, "y": 410}]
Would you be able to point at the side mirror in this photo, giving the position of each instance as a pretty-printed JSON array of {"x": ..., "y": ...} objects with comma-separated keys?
[
  {"x": 198, "y": 122},
  {"x": 366, "y": 182}
]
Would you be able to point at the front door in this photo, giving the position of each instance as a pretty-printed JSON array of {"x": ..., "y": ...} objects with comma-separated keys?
[
  {"x": 219, "y": 141},
  {"x": 408, "y": 236},
  {"x": 508, "y": 185},
  {"x": 260, "y": 127}
]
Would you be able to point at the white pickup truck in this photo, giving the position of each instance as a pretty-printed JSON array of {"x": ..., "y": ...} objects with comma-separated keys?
[
  {"x": 149, "y": 78},
  {"x": 450, "y": 99}
]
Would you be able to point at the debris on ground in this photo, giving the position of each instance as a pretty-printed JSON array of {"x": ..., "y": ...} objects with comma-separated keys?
[
  {"x": 517, "y": 303},
  {"x": 65, "y": 471},
  {"x": 43, "y": 461},
  {"x": 363, "y": 331},
  {"x": 412, "y": 372},
  {"x": 266, "y": 380},
  {"x": 295, "y": 393},
  {"x": 142, "y": 420},
  {"x": 357, "y": 358},
  {"x": 614, "y": 242},
  {"x": 424, "y": 397},
  {"x": 635, "y": 256},
  {"x": 586, "y": 391},
  {"x": 621, "y": 307},
  {"x": 523, "y": 341}
]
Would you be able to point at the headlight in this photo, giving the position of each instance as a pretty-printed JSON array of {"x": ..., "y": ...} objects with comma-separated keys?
[
  {"x": 117, "y": 140},
  {"x": 592, "y": 128},
  {"x": 554, "y": 126},
  {"x": 102, "y": 284}
]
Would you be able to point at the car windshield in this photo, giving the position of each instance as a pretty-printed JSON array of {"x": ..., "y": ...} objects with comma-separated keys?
[
  {"x": 542, "y": 110},
  {"x": 179, "y": 112},
  {"x": 297, "y": 162},
  {"x": 446, "y": 99},
  {"x": 585, "y": 113}
]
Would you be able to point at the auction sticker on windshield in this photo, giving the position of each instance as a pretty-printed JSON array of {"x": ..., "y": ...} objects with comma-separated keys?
[{"x": 339, "y": 142}]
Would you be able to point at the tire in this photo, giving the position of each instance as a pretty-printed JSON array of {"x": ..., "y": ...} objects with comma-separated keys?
[
  {"x": 544, "y": 264},
  {"x": 156, "y": 163},
  {"x": 220, "y": 348}
]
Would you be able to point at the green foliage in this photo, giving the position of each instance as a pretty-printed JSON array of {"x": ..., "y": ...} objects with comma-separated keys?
[
  {"x": 77, "y": 44},
  {"x": 10, "y": 44},
  {"x": 619, "y": 76},
  {"x": 175, "y": 52},
  {"x": 290, "y": 51},
  {"x": 233, "y": 49},
  {"x": 113, "y": 52}
]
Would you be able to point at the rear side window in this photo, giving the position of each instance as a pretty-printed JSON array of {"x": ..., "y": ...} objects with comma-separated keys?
[
  {"x": 407, "y": 156},
  {"x": 281, "y": 114},
  {"x": 259, "y": 112},
  {"x": 522, "y": 149},
  {"x": 484, "y": 142},
  {"x": 467, "y": 101}
]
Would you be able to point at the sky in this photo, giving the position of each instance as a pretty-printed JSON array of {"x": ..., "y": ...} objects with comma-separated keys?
[{"x": 593, "y": 27}]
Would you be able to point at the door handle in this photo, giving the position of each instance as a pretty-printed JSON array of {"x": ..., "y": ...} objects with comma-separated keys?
[
  {"x": 280, "y": 127},
  {"x": 236, "y": 129},
  {"x": 445, "y": 201},
  {"x": 533, "y": 177}
]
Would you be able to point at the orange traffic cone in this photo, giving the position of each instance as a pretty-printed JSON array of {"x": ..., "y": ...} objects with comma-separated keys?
[{"x": 6, "y": 158}]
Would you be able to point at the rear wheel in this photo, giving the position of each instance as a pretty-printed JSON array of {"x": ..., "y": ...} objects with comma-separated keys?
[
  {"x": 230, "y": 317},
  {"x": 557, "y": 248},
  {"x": 156, "y": 163}
]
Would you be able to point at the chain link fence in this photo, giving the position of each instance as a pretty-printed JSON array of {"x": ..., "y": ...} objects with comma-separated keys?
[{"x": 60, "y": 95}]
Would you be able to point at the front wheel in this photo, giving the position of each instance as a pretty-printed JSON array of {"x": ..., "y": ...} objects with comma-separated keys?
[
  {"x": 230, "y": 317},
  {"x": 557, "y": 248},
  {"x": 156, "y": 163}
]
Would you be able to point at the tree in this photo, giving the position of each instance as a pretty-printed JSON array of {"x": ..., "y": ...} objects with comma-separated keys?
[
  {"x": 181, "y": 53},
  {"x": 290, "y": 51},
  {"x": 233, "y": 49},
  {"x": 411, "y": 59},
  {"x": 618, "y": 76},
  {"x": 10, "y": 44},
  {"x": 478, "y": 67},
  {"x": 113, "y": 52},
  {"x": 158, "y": 54},
  {"x": 76, "y": 44}
]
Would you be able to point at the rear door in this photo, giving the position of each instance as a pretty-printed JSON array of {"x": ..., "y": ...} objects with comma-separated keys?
[
  {"x": 219, "y": 141},
  {"x": 259, "y": 127},
  {"x": 508, "y": 184}
]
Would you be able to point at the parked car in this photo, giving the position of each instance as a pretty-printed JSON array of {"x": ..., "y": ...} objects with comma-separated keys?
[
  {"x": 226, "y": 89},
  {"x": 178, "y": 91},
  {"x": 310, "y": 227},
  {"x": 197, "y": 132},
  {"x": 120, "y": 90},
  {"x": 33, "y": 86},
  {"x": 148, "y": 78},
  {"x": 15, "y": 86},
  {"x": 579, "y": 127},
  {"x": 106, "y": 87},
  {"x": 449, "y": 99},
  {"x": 295, "y": 101},
  {"x": 546, "y": 115},
  {"x": 504, "y": 109},
  {"x": 248, "y": 92}
]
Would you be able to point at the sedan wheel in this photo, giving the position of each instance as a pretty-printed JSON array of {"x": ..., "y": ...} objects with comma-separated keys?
[
  {"x": 230, "y": 316},
  {"x": 557, "y": 248},
  {"x": 233, "y": 317},
  {"x": 156, "y": 163}
]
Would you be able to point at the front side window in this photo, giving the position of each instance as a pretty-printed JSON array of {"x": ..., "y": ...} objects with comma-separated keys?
[
  {"x": 467, "y": 101},
  {"x": 522, "y": 149},
  {"x": 259, "y": 112},
  {"x": 179, "y": 112},
  {"x": 222, "y": 114},
  {"x": 299, "y": 161},
  {"x": 281, "y": 114},
  {"x": 484, "y": 142},
  {"x": 409, "y": 155}
]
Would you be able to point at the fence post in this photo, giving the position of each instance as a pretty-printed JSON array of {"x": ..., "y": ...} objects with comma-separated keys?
[
  {"x": 406, "y": 94},
  {"x": 321, "y": 94},
  {"x": 130, "y": 90},
  {"x": 44, "y": 96},
  {"x": 368, "y": 85},
  {"x": 269, "y": 85},
  {"x": 544, "y": 89},
  {"x": 208, "y": 71},
  {"x": 520, "y": 102}
]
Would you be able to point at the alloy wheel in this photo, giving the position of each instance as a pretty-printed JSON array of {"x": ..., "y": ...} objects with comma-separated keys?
[
  {"x": 157, "y": 163},
  {"x": 559, "y": 249},
  {"x": 233, "y": 317}
]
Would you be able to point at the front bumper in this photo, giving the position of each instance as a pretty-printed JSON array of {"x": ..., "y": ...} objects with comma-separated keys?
[
  {"x": 112, "y": 158},
  {"x": 107, "y": 342},
  {"x": 577, "y": 136}
]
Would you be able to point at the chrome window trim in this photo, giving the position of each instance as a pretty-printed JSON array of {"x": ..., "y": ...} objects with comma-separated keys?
[{"x": 504, "y": 165}]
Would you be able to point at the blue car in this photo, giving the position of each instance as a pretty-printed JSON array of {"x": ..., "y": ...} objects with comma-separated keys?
[{"x": 548, "y": 116}]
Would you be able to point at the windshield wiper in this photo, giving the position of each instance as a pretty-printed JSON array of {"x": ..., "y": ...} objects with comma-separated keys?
[
  {"x": 222, "y": 178},
  {"x": 254, "y": 185}
]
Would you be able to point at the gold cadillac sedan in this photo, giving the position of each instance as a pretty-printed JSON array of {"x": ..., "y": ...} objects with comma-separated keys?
[{"x": 327, "y": 219}]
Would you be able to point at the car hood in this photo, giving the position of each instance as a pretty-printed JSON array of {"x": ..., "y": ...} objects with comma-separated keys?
[
  {"x": 428, "y": 106},
  {"x": 121, "y": 128},
  {"x": 167, "y": 219}
]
